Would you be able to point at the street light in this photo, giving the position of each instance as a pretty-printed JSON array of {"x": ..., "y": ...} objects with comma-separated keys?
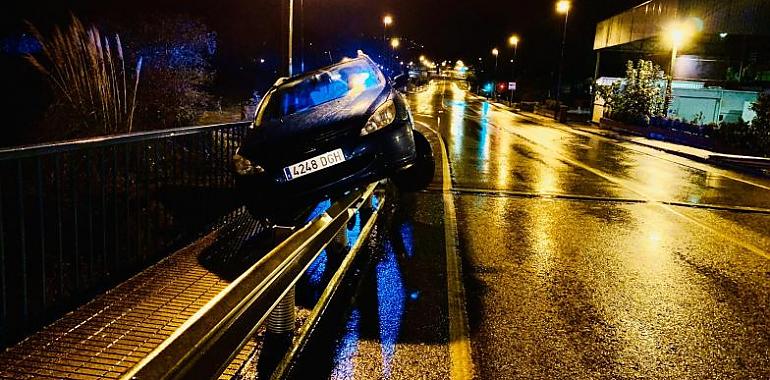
[
  {"x": 496, "y": 53},
  {"x": 562, "y": 7},
  {"x": 395, "y": 43},
  {"x": 387, "y": 21},
  {"x": 513, "y": 41},
  {"x": 677, "y": 34}
]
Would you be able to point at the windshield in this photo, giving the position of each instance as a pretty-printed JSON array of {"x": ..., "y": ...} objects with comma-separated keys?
[{"x": 345, "y": 80}]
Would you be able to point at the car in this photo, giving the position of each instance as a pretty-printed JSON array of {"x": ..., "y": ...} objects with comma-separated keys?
[{"x": 320, "y": 134}]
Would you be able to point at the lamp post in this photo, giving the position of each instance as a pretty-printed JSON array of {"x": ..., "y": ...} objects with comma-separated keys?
[
  {"x": 291, "y": 38},
  {"x": 562, "y": 7},
  {"x": 394, "y": 44},
  {"x": 387, "y": 21},
  {"x": 513, "y": 41},
  {"x": 496, "y": 53},
  {"x": 677, "y": 35}
]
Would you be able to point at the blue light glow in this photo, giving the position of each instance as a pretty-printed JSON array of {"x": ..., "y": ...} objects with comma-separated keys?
[
  {"x": 344, "y": 357},
  {"x": 390, "y": 305},
  {"x": 315, "y": 272},
  {"x": 484, "y": 133},
  {"x": 319, "y": 209},
  {"x": 355, "y": 231},
  {"x": 375, "y": 202},
  {"x": 407, "y": 236}
]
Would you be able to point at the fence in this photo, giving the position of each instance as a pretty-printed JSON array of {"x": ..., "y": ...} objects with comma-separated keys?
[{"x": 76, "y": 217}]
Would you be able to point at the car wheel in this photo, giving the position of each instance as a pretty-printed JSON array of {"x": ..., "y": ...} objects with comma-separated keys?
[{"x": 420, "y": 175}]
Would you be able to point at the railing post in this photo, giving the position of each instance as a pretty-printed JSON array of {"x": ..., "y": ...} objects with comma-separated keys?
[
  {"x": 281, "y": 320},
  {"x": 341, "y": 240},
  {"x": 283, "y": 317}
]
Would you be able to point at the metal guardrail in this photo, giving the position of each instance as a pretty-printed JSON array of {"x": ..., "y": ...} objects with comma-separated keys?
[
  {"x": 78, "y": 216},
  {"x": 207, "y": 342}
]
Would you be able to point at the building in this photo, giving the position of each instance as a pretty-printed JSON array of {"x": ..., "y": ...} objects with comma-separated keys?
[{"x": 720, "y": 67}]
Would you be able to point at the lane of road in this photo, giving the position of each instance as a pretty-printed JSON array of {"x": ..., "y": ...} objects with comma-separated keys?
[{"x": 583, "y": 258}]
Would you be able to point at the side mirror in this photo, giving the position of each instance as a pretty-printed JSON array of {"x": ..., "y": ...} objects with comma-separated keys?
[{"x": 400, "y": 81}]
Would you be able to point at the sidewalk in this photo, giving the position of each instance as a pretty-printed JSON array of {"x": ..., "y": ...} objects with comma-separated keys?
[{"x": 750, "y": 164}]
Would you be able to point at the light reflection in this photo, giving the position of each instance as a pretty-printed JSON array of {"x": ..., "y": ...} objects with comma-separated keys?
[
  {"x": 344, "y": 357},
  {"x": 503, "y": 144},
  {"x": 316, "y": 270},
  {"x": 407, "y": 236},
  {"x": 390, "y": 305},
  {"x": 483, "y": 151},
  {"x": 457, "y": 125},
  {"x": 354, "y": 231},
  {"x": 319, "y": 209}
]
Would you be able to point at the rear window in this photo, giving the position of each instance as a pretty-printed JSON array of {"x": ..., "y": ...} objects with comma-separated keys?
[{"x": 345, "y": 80}]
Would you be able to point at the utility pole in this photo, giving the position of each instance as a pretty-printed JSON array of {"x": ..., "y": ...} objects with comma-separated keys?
[
  {"x": 562, "y": 6},
  {"x": 290, "y": 70},
  {"x": 302, "y": 36}
]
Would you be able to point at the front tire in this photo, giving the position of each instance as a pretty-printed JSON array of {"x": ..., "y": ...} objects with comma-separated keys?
[{"x": 418, "y": 176}]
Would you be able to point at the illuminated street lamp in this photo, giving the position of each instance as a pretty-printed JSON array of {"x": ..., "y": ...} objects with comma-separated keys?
[
  {"x": 496, "y": 53},
  {"x": 513, "y": 41},
  {"x": 387, "y": 21},
  {"x": 562, "y": 7},
  {"x": 677, "y": 34},
  {"x": 395, "y": 43}
]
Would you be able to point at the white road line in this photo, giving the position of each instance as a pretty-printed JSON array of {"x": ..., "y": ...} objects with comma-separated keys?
[
  {"x": 707, "y": 168},
  {"x": 459, "y": 341},
  {"x": 639, "y": 191}
]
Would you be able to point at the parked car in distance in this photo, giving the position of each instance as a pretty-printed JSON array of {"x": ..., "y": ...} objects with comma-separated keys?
[{"x": 326, "y": 132}]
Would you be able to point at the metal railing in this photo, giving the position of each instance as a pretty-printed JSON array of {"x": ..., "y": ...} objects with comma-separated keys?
[
  {"x": 75, "y": 217},
  {"x": 207, "y": 342}
]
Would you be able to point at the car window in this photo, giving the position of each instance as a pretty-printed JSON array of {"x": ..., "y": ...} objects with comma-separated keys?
[{"x": 345, "y": 80}]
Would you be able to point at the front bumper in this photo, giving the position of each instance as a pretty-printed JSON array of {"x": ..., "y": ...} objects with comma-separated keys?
[{"x": 367, "y": 159}]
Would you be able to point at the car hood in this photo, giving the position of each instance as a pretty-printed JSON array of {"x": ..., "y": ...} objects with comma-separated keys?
[{"x": 347, "y": 111}]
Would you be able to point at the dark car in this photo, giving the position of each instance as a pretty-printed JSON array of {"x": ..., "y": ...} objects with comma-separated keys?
[{"x": 323, "y": 133}]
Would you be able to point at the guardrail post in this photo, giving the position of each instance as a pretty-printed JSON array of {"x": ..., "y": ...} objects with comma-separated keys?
[
  {"x": 341, "y": 239},
  {"x": 282, "y": 319}
]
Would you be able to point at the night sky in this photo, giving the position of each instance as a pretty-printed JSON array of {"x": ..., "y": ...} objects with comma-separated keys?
[{"x": 449, "y": 29}]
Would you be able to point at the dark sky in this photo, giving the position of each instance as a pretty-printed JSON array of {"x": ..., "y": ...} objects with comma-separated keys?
[{"x": 449, "y": 29}]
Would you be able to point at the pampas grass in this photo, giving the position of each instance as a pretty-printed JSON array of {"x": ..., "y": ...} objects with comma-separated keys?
[{"x": 88, "y": 73}]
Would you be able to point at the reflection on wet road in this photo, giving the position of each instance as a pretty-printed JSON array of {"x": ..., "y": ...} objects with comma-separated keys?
[{"x": 583, "y": 257}]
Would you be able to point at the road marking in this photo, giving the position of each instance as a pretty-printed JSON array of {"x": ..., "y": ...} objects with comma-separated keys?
[
  {"x": 621, "y": 182},
  {"x": 545, "y": 122},
  {"x": 581, "y": 197},
  {"x": 459, "y": 341}
]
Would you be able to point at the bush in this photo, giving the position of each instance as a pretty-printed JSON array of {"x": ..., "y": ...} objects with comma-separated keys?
[
  {"x": 748, "y": 138},
  {"x": 639, "y": 97},
  {"x": 94, "y": 92}
]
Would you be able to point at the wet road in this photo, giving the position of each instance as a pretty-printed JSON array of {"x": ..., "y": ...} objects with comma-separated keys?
[{"x": 582, "y": 257}]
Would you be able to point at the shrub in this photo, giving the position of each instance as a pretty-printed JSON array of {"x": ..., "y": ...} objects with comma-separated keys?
[
  {"x": 639, "y": 97},
  {"x": 94, "y": 93}
]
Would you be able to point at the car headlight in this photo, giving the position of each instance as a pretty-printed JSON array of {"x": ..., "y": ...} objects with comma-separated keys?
[
  {"x": 382, "y": 117},
  {"x": 245, "y": 167}
]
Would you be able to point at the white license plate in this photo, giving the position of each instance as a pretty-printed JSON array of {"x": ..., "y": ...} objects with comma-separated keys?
[{"x": 314, "y": 164}]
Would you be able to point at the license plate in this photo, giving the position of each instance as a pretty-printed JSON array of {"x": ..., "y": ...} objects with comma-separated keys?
[{"x": 314, "y": 164}]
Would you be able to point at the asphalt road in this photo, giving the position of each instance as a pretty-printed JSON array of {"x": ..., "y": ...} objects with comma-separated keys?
[{"x": 582, "y": 258}]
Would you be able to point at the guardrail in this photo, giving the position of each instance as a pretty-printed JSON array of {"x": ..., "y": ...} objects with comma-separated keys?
[
  {"x": 78, "y": 216},
  {"x": 207, "y": 342}
]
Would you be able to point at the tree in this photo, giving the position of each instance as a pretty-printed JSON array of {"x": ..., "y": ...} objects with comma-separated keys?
[
  {"x": 760, "y": 126},
  {"x": 177, "y": 50},
  {"x": 639, "y": 96}
]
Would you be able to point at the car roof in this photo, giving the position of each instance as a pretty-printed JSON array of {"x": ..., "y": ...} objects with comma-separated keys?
[{"x": 361, "y": 57}]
